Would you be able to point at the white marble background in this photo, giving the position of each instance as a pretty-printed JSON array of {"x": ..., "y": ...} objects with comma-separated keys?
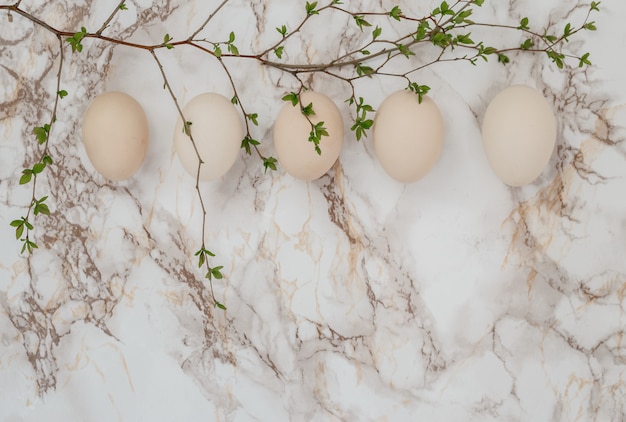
[{"x": 349, "y": 298}]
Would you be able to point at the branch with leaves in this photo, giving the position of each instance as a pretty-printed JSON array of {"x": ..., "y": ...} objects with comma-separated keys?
[{"x": 448, "y": 28}]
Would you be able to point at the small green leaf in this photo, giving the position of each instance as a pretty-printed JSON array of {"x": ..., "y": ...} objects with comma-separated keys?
[
  {"x": 27, "y": 175},
  {"x": 41, "y": 133},
  {"x": 62, "y": 93},
  {"x": 293, "y": 97},
  {"x": 201, "y": 260},
  {"x": 41, "y": 209},
  {"x": 247, "y": 142},
  {"x": 123, "y": 6},
  {"x": 233, "y": 49},
  {"x": 584, "y": 60},
  {"x": 47, "y": 160},
  {"x": 19, "y": 231},
  {"x": 590, "y": 26},
  {"x": 528, "y": 44},
  {"x": 38, "y": 168},
  {"x": 363, "y": 70},
  {"x": 217, "y": 50},
  {"x": 282, "y": 31},
  {"x": 504, "y": 59},
  {"x": 361, "y": 22},
  {"x": 234, "y": 100},
  {"x": 219, "y": 305},
  {"x": 594, "y": 6},
  {"x": 231, "y": 38},
  {"x": 308, "y": 110},
  {"x": 395, "y": 13},
  {"x": 311, "y": 8},
  {"x": 269, "y": 163},
  {"x": 279, "y": 51},
  {"x": 187, "y": 128},
  {"x": 523, "y": 24},
  {"x": 376, "y": 32},
  {"x": 16, "y": 223},
  {"x": 217, "y": 273},
  {"x": 254, "y": 118},
  {"x": 479, "y": 2}
]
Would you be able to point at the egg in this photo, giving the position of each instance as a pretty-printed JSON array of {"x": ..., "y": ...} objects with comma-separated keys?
[
  {"x": 408, "y": 135},
  {"x": 115, "y": 135},
  {"x": 291, "y": 137},
  {"x": 519, "y": 132},
  {"x": 217, "y": 132}
]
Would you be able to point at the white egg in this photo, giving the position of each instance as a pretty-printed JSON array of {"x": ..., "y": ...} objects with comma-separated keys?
[
  {"x": 291, "y": 137},
  {"x": 519, "y": 133},
  {"x": 408, "y": 135},
  {"x": 217, "y": 132},
  {"x": 115, "y": 135}
]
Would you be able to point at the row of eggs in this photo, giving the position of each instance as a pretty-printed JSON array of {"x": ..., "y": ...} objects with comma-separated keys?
[{"x": 519, "y": 133}]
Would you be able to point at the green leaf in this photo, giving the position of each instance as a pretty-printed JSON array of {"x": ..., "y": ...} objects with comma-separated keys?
[
  {"x": 187, "y": 128},
  {"x": 528, "y": 44},
  {"x": 422, "y": 30},
  {"x": 233, "y": 49},
  {"x": 590, "y": 26},
  {"x": 219, "y": 305},
  {"x": 308, "y": 110},
  {"x": 16, "y": 223},
  {"x": 594, "y": 6},
  {"x": 418, "y": 89},
  {"x": 166, "y": 41},
  {"x": 376, "y": 32},
  {"x": 584, "y": 60},
  {"x": 231, "y": 38},
  {"x": 523, "y": 24},
  {"x": 201, "y": 260},
  {"x": 123, "y": 6},
  {"x": 234, "y": 100},
  {"x": 282, "y": 31},
  {"x": 216, "y": 272},
  {"x": 406, "y": 51},
  {"x": 361, "y": 22},
  {"x": 19, "y": 230},
  {"x": 42, "y": 134},
  {"x": 503, "y": 58},
  {"x": 311, "y": 8},
  {"x": 247, "y": 142},
  {"x": 269, "y": 163},
  {"x": 41, "y": 209},
  {"x": 363, "y": 70},
  {"x": 293, "y": 97},
  {"x": 464, "y": 39},
  {"x": 395, "y": 13},
  {"x": 38, "y": 168},
  {"x": 254, "y": 118},
  {"x": 217, "y": 50},
  {"x": 279, "y": 51},
  {"x": 27, "y": 175},
  {"x": 62, "y": 93},
  {"x": 47, "y": 160}
]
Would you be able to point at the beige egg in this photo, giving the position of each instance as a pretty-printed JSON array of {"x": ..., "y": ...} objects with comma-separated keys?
[
  {"x": 408, "y": 136},
  {"x": 115, "y": 135},
  {"x": 291, "y": 137},
  {"x": 519, "y": 133},
  {"x": 217, "y": 132}
]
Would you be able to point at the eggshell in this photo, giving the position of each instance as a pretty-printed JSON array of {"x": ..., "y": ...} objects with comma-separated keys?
[
  {"x": 519, "y": 133},
  {"x": 115, "y": 135},
  {"x": 217, "y": 132},
  {"x": 291, "y": 137},
  {"x": 408, "y": 136}
]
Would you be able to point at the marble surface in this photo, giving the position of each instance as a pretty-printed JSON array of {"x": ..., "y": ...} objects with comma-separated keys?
[{"x": 352, "y": 297}]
